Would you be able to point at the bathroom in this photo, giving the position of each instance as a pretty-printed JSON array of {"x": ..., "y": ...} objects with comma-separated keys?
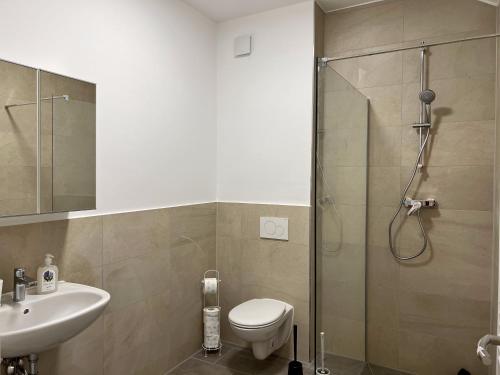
[{"x": 329, "y": 165}]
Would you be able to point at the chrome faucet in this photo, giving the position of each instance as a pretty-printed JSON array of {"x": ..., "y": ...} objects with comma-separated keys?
[{"x": 21, "y": 281}]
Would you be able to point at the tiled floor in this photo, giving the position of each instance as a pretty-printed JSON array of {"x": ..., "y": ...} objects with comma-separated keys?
[
  {"x": 234, "y": 360},
  {"x": 346, "y": 366},
  {"x": 239, "y": 361}
]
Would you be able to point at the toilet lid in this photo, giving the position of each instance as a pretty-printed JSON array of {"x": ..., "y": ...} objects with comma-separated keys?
[{"x": 257, "y": 312}]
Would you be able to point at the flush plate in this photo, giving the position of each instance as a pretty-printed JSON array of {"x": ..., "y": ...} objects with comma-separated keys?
[{"x": 275, "y": 228}]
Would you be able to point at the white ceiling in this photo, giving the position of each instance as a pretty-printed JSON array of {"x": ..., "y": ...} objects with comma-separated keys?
[{"x": 223, "y": 10}]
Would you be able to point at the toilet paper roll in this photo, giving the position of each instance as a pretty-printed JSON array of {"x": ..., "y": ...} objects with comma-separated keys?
[
  {"x": 210, "y": 285},
  {"x": 211, "y": 322}
]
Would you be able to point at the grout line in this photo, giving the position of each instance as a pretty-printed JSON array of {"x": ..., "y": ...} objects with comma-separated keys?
[{"x": 181, "y": 363}]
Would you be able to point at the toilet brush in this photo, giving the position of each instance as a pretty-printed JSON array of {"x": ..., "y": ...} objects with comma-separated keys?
[
  {"x": 295, "y": 367},
  {"x": 322, "y": 370}
]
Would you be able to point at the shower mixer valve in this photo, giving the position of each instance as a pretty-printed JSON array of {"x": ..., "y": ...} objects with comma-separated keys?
[{"x": 414, "y": 205}]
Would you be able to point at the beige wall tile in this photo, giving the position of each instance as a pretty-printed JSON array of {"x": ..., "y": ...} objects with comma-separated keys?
[
  {"x": 457, "y": 100},
  {"x": 126, "y": 330},
  {"x": 384, "y": 186},
  {"x": 371, "y": 71},
  {"x": 364, "y": 27},
  {"x": 342, "y": 228},
  {"x": 136, "y": 279},
  {"x": 378, "y": 224},
  {"x": 191, "y": 223},
  {"x": 383, "y": 345},
  {"x": 20, "y": 247},
  {"x": 468, "y": 59},
  {"x": 424, "y": 18},
  {"x": 345, "y": 110},
  {"x": 229, "y": 220},
  {"x": 82, "y": 355},
  {"x": 347, "y": 148},
  {"x": 77, "y": 246},
  {"x": 385, "y": 105},
  {"x": 445, "y": 316},
  {"x": 453, "y": 143},
  {"x": 384, "y": 146},
  {"x": 433, "y": 355},
  {"x": 460, "y": 244},
  {"x": 348, "y": 184},
  {"x": 129, "y": 235},
  {"x": 432, "y": 318},
  {"x": 460, "y": 188},
  {"x": 344, "y": 337},
  {"x": 382, "y": 269}
]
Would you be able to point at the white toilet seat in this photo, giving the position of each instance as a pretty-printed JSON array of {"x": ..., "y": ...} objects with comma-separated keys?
[{"x": 257, "y": 313}]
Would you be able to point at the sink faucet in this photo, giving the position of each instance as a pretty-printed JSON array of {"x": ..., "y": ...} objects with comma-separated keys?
[{"x": 21, "y": 281}]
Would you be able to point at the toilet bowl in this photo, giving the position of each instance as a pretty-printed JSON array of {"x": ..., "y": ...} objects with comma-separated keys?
[{"x": 265, "y": 323}]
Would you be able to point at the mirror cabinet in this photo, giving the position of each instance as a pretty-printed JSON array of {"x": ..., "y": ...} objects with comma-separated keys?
[{"x": 47, "y": 142}]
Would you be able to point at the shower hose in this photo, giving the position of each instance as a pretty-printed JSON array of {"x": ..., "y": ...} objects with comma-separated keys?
[{"x": 401, "y": 204}]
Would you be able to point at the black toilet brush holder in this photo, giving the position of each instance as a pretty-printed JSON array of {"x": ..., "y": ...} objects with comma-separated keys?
[{"x": 295, "y": 367}]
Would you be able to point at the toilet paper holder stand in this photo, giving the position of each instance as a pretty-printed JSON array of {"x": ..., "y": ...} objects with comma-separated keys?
[
  {"x": 208, "y": 275},
  {"x": 211, "y": 274}
]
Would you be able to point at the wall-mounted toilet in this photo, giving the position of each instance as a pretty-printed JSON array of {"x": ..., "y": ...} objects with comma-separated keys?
[{"x": 265, "y": 323}]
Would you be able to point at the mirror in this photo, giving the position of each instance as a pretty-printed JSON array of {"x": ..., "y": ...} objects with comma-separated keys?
[
  {"x": 18, "y": 140},
  {"x": 68, "y": 126},
  {"x": 47, "y": 142}
]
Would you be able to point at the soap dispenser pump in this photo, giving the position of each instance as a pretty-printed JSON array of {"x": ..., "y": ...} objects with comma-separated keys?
[{"x": 47, "y": 276}]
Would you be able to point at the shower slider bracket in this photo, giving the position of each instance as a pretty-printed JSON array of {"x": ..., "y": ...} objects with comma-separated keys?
[{"x": 420, "y": 125}]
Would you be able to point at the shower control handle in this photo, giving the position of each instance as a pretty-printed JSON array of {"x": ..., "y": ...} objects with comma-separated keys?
[{"x": 416, "y": 204}]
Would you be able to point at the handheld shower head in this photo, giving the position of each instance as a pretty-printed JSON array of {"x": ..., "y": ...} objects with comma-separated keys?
[{"x": 427, "y": 96}]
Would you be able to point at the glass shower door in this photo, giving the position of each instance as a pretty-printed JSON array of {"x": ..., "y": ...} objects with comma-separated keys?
[{"x": 341, "y": 202}]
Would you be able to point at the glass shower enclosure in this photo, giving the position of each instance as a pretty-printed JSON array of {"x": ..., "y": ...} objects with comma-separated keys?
[
  {"x": 341, "y": 198},
  {"x": 377, "y": 314}
]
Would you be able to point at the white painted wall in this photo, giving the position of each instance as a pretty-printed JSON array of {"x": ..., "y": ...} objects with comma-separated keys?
[
  {"x": 159, "y": 142},
  {"x": 265, "y": 109},
  {"x": 154, "y": 65}
]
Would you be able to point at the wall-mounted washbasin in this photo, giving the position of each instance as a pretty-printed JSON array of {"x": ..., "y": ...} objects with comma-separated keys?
[{"x": 41, "y": 322}]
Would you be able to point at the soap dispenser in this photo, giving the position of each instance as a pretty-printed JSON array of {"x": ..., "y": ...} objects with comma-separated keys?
[{"x": 47, "y": 276}]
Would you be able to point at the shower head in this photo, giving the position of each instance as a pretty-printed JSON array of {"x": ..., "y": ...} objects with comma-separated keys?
[{"x": 427, "y": 96}]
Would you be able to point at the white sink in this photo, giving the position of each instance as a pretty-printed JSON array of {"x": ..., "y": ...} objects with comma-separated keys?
[{"x": 41, "y": 322}]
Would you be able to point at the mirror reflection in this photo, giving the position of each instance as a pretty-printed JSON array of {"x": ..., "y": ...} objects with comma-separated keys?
[
  {"x": 68, "y": 144},
  {"x": 18, "y": 140},
  {"x": 47, "y": 142}
]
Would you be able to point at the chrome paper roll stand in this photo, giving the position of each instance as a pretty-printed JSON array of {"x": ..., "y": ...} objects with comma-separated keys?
[{"x": 212, "y": 313}]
